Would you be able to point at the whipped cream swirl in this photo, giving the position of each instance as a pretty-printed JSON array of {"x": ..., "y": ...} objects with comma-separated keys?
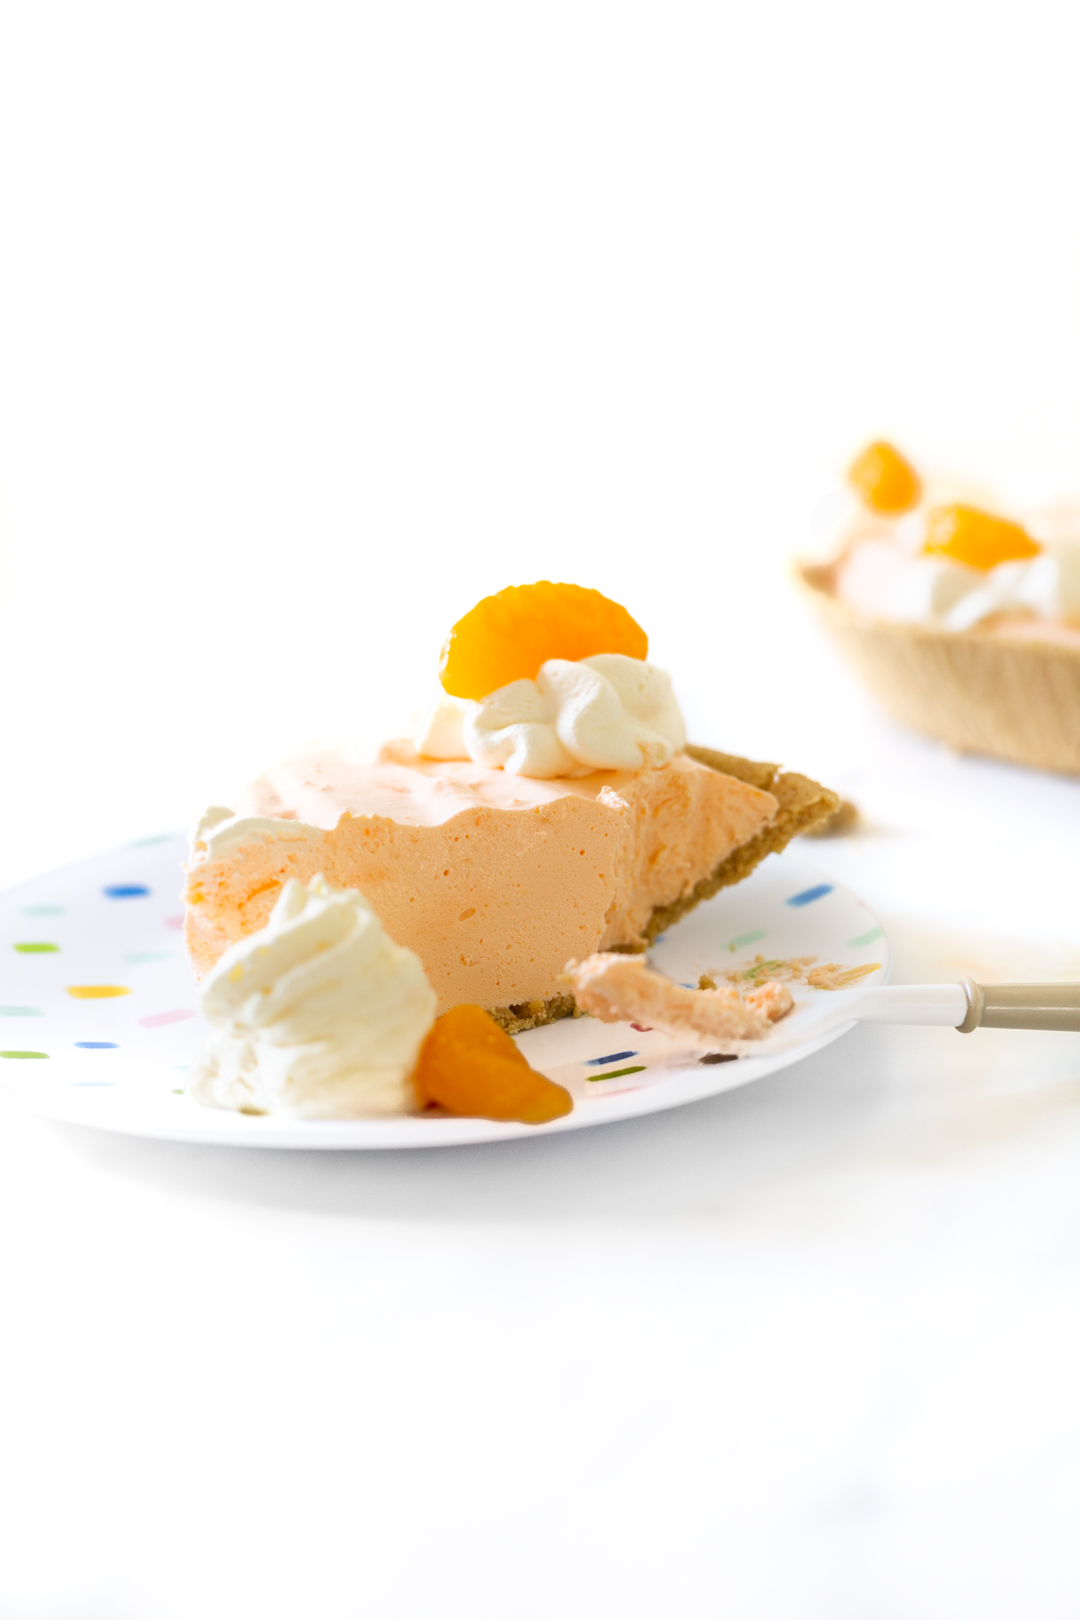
[
  {"x": 884, "y": 580},
  {"x": 318, "y": 1015},
  {"x": 883, "y": 570},
  {"x": 605, "y": 713},
  {"x": 1047, "y": 585}
]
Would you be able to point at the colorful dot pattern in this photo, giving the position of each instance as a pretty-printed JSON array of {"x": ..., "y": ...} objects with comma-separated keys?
[
  {"x": 118, "y": 891},
  {"x": 127, "y": 888}
]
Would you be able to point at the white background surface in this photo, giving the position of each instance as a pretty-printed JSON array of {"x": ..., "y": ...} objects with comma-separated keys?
[{"x": 317, "y": 323}]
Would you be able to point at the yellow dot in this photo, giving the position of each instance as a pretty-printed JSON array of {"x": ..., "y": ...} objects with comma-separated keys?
[{"x": 94, "y": 992}]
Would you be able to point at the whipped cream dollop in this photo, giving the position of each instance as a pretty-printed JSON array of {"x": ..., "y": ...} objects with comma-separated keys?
[
  {"x": 605, "y": 713},
  {"x": 886, "y": 580},
  {"x": 318, "y": 1015},
  {"x": 218, "y": 827},
  {"x": 1047, "y": 585}
]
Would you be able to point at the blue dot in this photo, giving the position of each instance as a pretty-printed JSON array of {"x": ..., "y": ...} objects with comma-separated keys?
[
  {"x": 807, "y": 895},
  {"x": 125, "y": 891},
  {"x": 95, "y": 1046},
  {"x": 612, "y": 1057}
]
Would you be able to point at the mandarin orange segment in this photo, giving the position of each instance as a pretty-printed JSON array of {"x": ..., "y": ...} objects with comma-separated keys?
[
  {"x": 884, "y": 479},
  {"x": 468, "y": 1065},
  {"x": 508, "y": 636},
  {"x": 977, "y": 538}
]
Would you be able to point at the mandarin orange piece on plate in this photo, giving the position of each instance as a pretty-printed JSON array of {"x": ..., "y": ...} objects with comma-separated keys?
[
  {"x": 884, "y": 479},
  {"x": 977, "y": 538},
  {"x": 507, "y": 637},
  {"x": 468, "y": 1065}
]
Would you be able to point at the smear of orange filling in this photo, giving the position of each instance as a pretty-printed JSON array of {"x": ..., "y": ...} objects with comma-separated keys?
[
  {"x": 621, "y": 989},
  {"x": 468, "y": 1065}
]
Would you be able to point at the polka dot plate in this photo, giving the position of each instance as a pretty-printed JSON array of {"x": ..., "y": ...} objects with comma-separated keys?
[{"x": 99, "y": 1016}]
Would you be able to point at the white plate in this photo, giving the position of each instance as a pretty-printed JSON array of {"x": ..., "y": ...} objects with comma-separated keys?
[{"x": 117, "y": 1061}]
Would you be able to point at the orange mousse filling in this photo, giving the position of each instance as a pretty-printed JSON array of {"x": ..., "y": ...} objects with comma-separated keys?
[{"x": 495, "y": 880}]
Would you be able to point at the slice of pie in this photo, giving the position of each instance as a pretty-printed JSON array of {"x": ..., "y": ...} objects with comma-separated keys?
[
  {"x": 550, "y": 807},
  {"x": 496, "y": 880}
]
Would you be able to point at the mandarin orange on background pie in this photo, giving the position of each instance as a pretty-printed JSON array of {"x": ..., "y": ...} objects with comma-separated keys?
[
  {"x": 508, "y": 636},
  {"x": 884, "y": 479},
  {"x": 468, "y": 1065},
  {"x": 969, "y": 535}
]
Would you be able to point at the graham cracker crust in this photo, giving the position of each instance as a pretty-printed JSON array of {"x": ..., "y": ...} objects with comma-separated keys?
[{"x": 803, "y": 804}]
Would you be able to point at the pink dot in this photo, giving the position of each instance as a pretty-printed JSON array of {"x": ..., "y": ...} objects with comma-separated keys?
[
  {"x": 174, "y": 922},
  {"x": 156, "y": 1020}
]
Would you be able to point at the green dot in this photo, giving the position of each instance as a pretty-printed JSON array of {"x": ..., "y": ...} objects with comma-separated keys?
[
  {"x": 35, "y": 948},
  {"x": 154, "y": 838},
  {"x": 43, "y": 911},
  {"x": 868, "y": 938},
  {"x": 23, "y": 1054},
  {"x": 616, "y": 1074},
  {"x": 21, "y": 1012}
]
